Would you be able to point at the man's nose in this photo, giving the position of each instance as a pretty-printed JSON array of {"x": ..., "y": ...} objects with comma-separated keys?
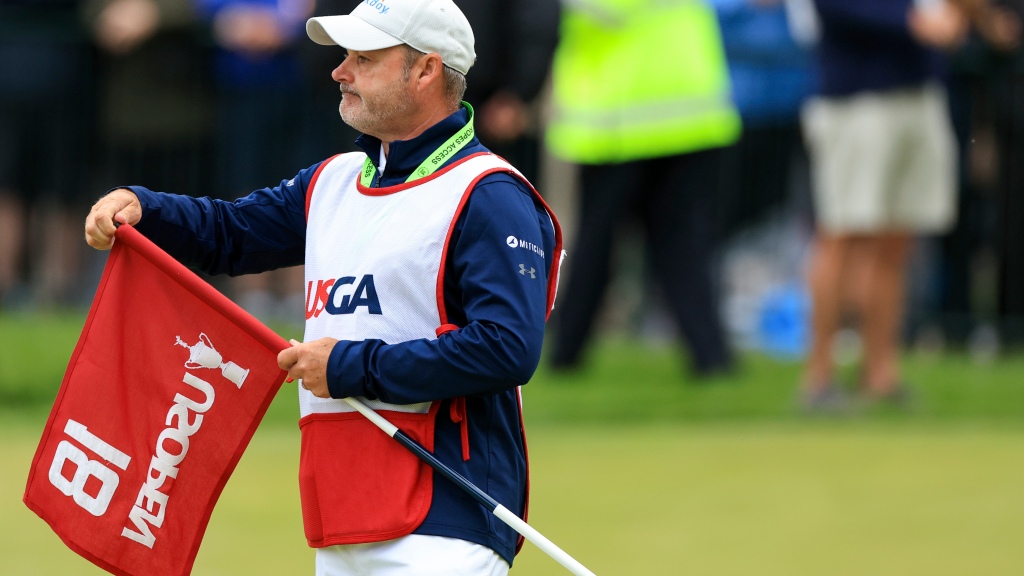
[{"x": 341, "y": 73}]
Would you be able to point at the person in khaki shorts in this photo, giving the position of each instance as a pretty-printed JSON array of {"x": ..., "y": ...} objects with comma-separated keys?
[{"x": 883, "y": 162}]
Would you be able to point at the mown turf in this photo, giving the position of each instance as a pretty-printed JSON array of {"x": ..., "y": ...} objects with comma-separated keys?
[
  {"x": 623, "y": 381},
  {"x": 713, "y": 499},
  {"x": 638, "y": 469}
]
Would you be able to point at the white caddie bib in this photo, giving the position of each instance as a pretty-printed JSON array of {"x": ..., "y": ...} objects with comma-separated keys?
[
  {"x": 374, "y": 269},
  {"x": 374, "y": 257}
]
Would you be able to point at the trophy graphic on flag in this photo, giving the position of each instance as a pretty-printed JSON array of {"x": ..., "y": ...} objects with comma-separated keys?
[{"x": 204, "y": 355}]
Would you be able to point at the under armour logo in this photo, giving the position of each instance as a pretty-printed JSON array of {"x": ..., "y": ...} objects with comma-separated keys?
[{"x": 523, "y": 271}]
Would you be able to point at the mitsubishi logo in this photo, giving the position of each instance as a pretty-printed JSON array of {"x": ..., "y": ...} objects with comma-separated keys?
[{"x": 523, "y": 271}]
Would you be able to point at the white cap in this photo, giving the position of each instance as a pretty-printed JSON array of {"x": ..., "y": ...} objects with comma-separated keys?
[{"x": 426, "y": 25}]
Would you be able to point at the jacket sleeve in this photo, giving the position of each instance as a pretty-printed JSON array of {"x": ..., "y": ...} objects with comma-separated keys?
[
  {"x": 262, "y": 231},
  {"x": 496, "y": 293}
]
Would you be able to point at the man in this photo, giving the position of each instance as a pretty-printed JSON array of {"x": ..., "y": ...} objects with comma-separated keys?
[
  {"x": 648, "y": 136},
  {"x": 883, "y": 162},
  {"x": 430, "y": 269}
]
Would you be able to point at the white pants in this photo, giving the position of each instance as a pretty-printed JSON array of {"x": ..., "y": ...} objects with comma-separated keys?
[{"x": 412, "y": 555}]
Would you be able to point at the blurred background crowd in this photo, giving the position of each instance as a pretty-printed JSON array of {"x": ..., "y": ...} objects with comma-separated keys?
[
  {"x": 201, "y": 97},
  {"x": 666, "y": 134}
]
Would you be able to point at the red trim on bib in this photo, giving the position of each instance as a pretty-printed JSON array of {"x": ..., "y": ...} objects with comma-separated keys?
[
  {"x": 556, "y": 259},
  {"x": 442, "y": 312},
  {"x": 312, "y": 182}
]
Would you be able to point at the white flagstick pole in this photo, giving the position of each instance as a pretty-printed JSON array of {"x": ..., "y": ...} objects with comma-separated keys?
[{"x": 503, "y": 514}]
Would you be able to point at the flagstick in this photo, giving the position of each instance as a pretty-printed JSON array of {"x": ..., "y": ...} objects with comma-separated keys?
[{"x": 503, "y": 514}]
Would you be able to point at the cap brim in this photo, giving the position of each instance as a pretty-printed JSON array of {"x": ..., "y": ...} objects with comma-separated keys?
[{"x": 348, "y": 32}]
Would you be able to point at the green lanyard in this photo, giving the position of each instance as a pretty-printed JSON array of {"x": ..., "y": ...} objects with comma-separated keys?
[{"x": 436, "y": 159}]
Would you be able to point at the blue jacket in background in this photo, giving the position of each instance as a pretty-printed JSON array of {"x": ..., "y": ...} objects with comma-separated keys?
[
  {"x": 238, "y": 70},
  {"x": 771, "y": 74}
]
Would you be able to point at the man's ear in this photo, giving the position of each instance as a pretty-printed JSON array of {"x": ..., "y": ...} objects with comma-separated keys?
[{"x": 429, "y": 70}]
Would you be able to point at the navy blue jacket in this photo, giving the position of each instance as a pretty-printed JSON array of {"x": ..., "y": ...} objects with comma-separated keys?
[
  {"x": 500, "y": 312},
  {"x": 866, "y": 45}
]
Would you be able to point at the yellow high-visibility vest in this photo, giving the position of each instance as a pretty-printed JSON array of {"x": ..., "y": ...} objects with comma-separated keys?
[{"x": 635, "y": 79}]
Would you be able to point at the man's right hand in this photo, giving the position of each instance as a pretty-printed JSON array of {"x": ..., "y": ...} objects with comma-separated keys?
[{"x": 121, "y": 206}]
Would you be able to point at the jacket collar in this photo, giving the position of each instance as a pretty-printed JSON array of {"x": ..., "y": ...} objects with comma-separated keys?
[{"x": 404, "y": 156}]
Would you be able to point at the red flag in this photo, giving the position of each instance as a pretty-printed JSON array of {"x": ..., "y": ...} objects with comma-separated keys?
[{"x": 162, "y": 395}]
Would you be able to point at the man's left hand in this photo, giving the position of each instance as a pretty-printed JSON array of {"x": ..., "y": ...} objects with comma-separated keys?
[{"x": 308, "y": 362}]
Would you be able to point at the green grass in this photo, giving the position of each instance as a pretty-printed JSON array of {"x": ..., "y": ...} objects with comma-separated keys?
[
  {"x": 638, "y": 469},
  {"x": 34, "y": 351},
  {"x": 632, "y": 382},
  {"x": 726, "y": 499},
  {"x": 624, "y": 381}
]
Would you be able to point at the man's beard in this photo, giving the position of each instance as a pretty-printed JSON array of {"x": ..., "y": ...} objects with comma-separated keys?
[{"x": 380, "y": 114}]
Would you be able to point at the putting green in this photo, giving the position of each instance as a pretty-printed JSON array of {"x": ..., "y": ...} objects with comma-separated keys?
[{"x": 797, "y": 498}]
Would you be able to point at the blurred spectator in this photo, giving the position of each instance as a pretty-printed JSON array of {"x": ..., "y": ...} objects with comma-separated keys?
[
  {"x": 984, "y": 266},
  {"x": 642, "y": 103},
  {"x": 258, "y": 126},
  {"x": 515, "y": 41},
  {"x": 771, "y": 76},
  {"x": 154, "y": 106},
  {"x": 45, "y": 86},
  {"x": 964, "y": 301},
  {"x": 1007, "y": 122},
  {"x": 322, "y": 139},
  {"x": 883, "y": 159}
]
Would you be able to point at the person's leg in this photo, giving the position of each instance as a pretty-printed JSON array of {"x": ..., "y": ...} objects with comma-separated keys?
[
  {"x": 12, "y": 240},
  {"x": 604, "y": 199},
  {"x": 680, "y": 219},
  {"x": 882, "y": 290},
  {"x": 64, "y": 194},
  {"x": 825, "y": 280},
  {"x": 853, "y": 150},
  {"x": 56, "y": 270},
  {"x": 13, "y": 195},
  {"x": 921, "y": 199}
]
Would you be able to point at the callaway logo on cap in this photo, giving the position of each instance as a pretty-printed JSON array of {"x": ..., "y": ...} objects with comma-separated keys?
[{"x": 426, "y": 25}]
